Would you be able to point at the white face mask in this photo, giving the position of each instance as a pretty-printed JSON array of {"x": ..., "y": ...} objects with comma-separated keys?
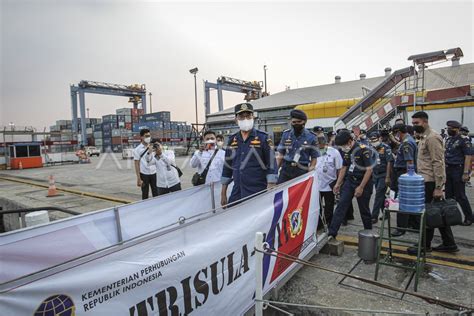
[
  {"x": 147, "y": 140},
  {"x": 245, "y": 125},
  {"x": 210, "y": 141},
  {"x": 220, "y": 143}
]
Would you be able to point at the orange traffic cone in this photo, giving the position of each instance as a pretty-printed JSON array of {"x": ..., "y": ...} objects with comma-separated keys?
[
  {"x": 52, "y": 191},
  {"x": 20, "y": 166}
]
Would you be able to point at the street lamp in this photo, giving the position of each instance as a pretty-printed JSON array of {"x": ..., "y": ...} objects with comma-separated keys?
[
  {"x": 194, "y": 72},
  {"x": 265, "y": 78},
  {"x": 151, "y": 107}
]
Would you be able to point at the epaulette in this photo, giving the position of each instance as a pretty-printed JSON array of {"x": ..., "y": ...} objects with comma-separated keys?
[{"x": 362, "y": 145}]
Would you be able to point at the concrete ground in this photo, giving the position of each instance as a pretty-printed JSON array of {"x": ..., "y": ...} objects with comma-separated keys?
[{"x": 113, "y": 177}]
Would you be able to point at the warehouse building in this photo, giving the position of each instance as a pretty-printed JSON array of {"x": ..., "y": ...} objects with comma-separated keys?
[{"x": 448, "y": 94}]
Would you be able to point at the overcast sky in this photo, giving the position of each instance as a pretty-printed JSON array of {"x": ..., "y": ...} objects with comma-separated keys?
[{"x": 48, "y": 45}]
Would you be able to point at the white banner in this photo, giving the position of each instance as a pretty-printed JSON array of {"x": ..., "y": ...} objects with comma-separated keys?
[{"x": 204, "y": 268}]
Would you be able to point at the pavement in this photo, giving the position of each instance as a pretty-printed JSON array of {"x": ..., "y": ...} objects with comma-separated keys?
[{"x": 449, "y": 277}]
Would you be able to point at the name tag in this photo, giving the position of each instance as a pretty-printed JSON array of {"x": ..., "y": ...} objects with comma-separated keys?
[{"x": 351, "y": 168}]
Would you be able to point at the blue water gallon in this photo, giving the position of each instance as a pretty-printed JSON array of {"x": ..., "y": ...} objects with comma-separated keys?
[{"x": 411, "y": 191}]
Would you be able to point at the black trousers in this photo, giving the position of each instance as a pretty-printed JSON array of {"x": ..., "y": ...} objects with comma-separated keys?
[
  {"x": 289, "y": 172},
  {"x": 456, "y": 188},
  {"x": 446, "y": 232},
  {"x": 149, "y": 180},
  {"x": 329, "y": 199},
  {"x": 174, "y": 188}
]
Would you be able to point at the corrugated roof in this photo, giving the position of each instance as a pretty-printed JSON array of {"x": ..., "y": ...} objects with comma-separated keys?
[{"x": 436, "y": 78}]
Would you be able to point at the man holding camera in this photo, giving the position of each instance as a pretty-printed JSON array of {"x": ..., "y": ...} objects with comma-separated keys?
[
  {"x": 167, "y": 176},
  {"x": 145, "y": 168}
]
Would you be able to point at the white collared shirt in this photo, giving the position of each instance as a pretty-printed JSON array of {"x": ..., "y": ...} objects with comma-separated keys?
[
  {"x": 147, "y": 165},
  {"x": 166, "y": 175},
  {"x": 326, "y": 168},
  {"x": 201, "y": 159}
]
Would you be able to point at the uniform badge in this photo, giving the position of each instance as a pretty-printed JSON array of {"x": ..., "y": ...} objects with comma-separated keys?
[
  {"x": 362, "y": 146},
  {"x": 255, "y": 142},
  {"x": 234, "y": 143},
  {"x": 270, "y": 141},
  {"x": 243, "y": 107}
]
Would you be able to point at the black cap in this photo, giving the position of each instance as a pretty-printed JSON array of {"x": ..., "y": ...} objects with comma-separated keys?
[
  {"x": 298, "y": 114},
  {"x": 399, "y": 128},
  {"x": 318, "y": 129},
  {"x": 374, "y": 135},
  {"x": 331, "y": 133},
  {"x": 363, "y": 131},
  {"x": 343, "y": 138},
  {"x": 453, "y": 124},
  {"x": 243, "y": 107},
  {"x": 464, "y": 129}
]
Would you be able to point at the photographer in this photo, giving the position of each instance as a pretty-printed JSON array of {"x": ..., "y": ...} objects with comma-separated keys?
[
  {"x": 145, "y": 169},
  {"x": 167, "y": 177},
  {"x": 207, "y": 160}
]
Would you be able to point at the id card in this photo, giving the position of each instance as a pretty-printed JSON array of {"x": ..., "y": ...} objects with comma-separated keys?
[{"x": 351, "y": 168}]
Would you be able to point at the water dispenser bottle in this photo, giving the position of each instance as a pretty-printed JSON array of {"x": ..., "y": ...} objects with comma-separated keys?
[{"x": 411, "y": 191}]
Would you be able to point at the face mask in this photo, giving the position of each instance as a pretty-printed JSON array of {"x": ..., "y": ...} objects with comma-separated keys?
[
  {"x": 451, "y": 132},
  {"x": 147, "y": 140},
  {"x": 419, "y": 129},
  {"x": 375, "y": 144},
  {"x": 245, "y": 125},
  {"x": 220, "y": 143},
  {"x": 323, "y": 151},
  {"x": 298, "y": 127},
  {"x": 210, "y": 141}
]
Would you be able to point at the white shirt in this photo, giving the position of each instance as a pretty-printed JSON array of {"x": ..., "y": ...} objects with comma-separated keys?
[
  {"x": 166, "y": 175},
  {"x": 147, "y": 165},
  {"x": 201, "y": 159},
  {"x": 326, "y": 168}
]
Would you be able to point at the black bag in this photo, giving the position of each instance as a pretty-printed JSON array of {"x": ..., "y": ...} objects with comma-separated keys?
[
  {"x": 434, "y": 215},
  {"x": 452, "y": 215},
  {"x": 442, "y": 213},
  {"x": 199, "y": 179}
]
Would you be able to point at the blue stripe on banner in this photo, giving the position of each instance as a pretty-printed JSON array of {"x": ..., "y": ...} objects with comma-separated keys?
[{"x": 278, "y": 208}]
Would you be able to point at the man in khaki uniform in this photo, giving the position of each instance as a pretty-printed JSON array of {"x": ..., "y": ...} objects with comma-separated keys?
[{"x": 430, "y": 163}]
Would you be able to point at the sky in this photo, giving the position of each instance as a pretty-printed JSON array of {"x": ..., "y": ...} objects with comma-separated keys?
[{"x": 48, "y": 45}]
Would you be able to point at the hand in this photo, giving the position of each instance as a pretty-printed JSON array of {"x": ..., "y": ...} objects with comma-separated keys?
[
  {"x": 139, "y": 183},
  {"x": 387, "y": 181},
  {"x": 465, "y": 177},
  {"x": 336, "y": 188},
  {"x": 270, "y": 185},
  {"x": 311, "y": 168},
  {"x": 358, "y": 191},
  {"x": 223, "y": 200},
  {"x": 438, "y": 194}
]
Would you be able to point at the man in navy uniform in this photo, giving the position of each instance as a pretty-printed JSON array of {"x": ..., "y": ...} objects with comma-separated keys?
[
  {"x": 363, "y": 137},
  {"x": 249, "y": 158},
  {"x": 458, "y": 165},
  {"x": 381, "y": 172},
  {"x": 355, "y": 179},
  {"x": 406, "y": 155},
  {"x": 297, "y": 151}
]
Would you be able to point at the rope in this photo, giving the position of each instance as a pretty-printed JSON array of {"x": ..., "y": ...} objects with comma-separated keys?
[
  {"x": 431, "y": 300},
  {"x": 357, "y": 310}
]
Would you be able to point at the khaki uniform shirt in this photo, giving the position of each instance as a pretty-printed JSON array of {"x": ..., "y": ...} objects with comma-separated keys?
[{"x": 430, "y": 161}]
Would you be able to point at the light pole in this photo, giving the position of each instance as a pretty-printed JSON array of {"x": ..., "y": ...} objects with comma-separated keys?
[
  {"x": 12, "y": 127},
  {"x": 194, "y": 72},
  {"x": 265, "y": 78},
  {"x": 87, "y": 112},
  {"x": 151, "y": 107}
]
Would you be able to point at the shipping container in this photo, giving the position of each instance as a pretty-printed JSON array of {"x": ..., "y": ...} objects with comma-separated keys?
[
  {"x": 89, "y": 130},
  {"x": 116, "y": 140},
  {"x": 54, "y": 128},
  {"x": 128, "y": 126},
  {"x": 98, "y": 128},
  {"x": 124, "y": 111},
  {"x": 106, "y": 134},
  {"x": 120, "y": 118},
  {"x": 128, "y": 119},
  {"x": 111, "y": 118},
  {"x": 99, "y": 141},
  {"x": 98, "y": 135}
]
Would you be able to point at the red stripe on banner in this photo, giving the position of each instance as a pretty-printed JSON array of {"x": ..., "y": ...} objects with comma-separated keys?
[{"x": 294, "y": 221}]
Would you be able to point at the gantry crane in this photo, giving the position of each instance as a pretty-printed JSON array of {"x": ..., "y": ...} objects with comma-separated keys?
[
  {"x": 135, "y": 92},
  {"x": 251, "y": 89}
]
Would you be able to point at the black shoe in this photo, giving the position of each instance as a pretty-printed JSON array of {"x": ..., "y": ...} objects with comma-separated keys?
[
  {"x": 344, "y": 222},
  {"x": 374, "y": 220},
  {"x": 443, "y": 248},
  {"x": 467, "y": 222},
  {"x": 397, "y": 233},
  {"x": 413, "y": 251}
]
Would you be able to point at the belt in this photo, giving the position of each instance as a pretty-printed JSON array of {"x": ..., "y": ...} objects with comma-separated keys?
[
  {"x": 455, "y": 165},
  {"x": 354, "y": 178},
  {"x": 400, "y": 168}
]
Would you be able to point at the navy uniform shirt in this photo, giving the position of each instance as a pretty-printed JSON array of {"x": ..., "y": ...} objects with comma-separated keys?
[
  {"x": 357, "y": 160},
  {"x": 406, "y": 151},
  {"x": 304, "y": 144},
  {"x": 383, "y": 157},
  {"x": 457, "y": 148},
  {"x": 250, "y": 163}
]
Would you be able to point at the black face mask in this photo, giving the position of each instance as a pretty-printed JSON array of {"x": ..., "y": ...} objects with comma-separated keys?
[
  {"x": 298, "y": 128},
  {"x": 419, "y": 129},
  {"x": 451, "y": 132}
]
